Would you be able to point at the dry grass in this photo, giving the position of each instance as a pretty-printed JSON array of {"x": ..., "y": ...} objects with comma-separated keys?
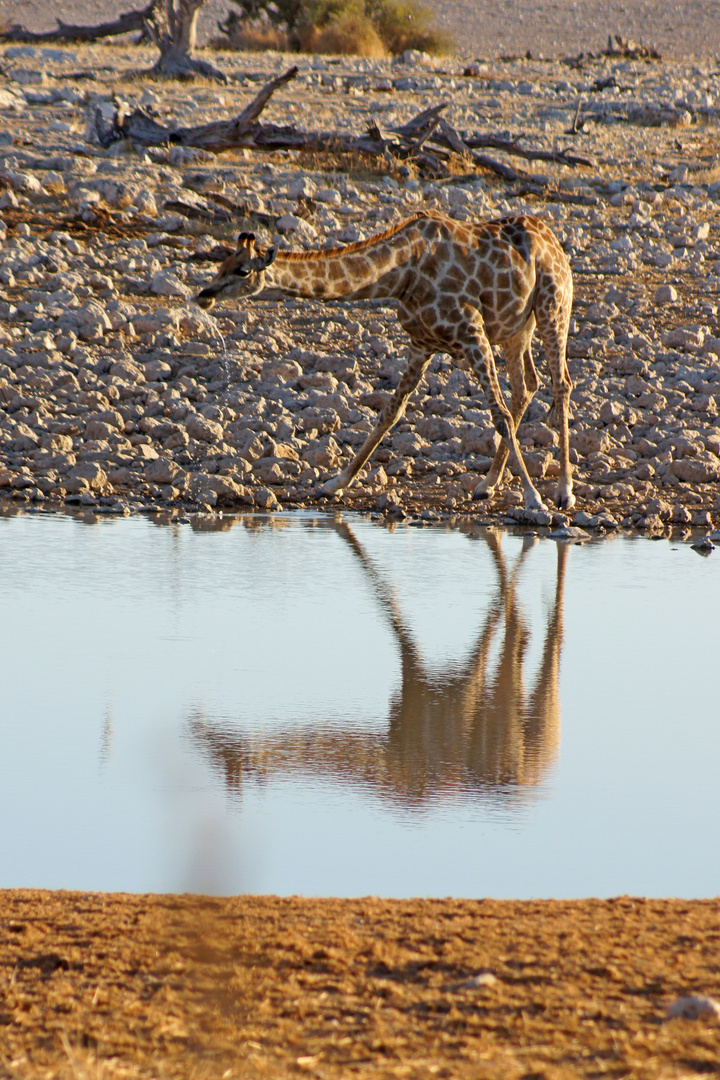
[
  {"x": 373, "y": 28},
  {"x": 254, "y": 37},
  {"x": 346, "y": 33}
]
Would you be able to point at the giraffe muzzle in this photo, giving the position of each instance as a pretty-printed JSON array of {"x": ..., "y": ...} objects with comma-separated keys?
[{"x": 205, "y": 299}]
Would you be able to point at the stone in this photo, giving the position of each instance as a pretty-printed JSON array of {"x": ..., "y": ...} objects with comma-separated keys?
[
  {"x": 680, "y": 515},
  {"x": 266, "y": 499},
  {"x": 90, "y": 473},
  {"x": 477, "y": 982},
  {"x": 611, "y": 411},
  {"x": 96, "y": 429},
  {"x": 224, "y": 488},
  {"x": 477, "y": 440},
  {"x": 199, "y": 427},
  {"x": 435, "y": 429},
  {"x": 568, "y": 534},
  {"x": 695, "y": 470},
  {"x": 92, "y": 320},
  {"x": 166, "y": 283},
  {"x": 145, "y": 452},
  {"x": 127, "y": 371},
  {"x": 588, "y": 441},
  {"x": 666, "y": 294},
  {"x": 269, "y": 472},
  {"x": 693, "y": 1007},
  {"x": 703, "y": 546},
  {"x": 689, "y": 338},
  {"x": 164, "y": 471}
]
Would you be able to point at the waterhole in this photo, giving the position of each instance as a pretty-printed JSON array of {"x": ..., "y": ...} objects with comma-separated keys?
[{"x": 326, "y": 706}]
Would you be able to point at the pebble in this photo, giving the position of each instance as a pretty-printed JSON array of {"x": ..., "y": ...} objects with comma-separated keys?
[
  {"x": 693, "y": 1007},
  {"x": 703, "y": 546},
  {"x": 477, "y": 982},
  {"x": 569, "y": 533}
]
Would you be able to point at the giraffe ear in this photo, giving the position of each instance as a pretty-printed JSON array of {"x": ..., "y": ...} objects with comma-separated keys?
[{"x": 269, "y": 257}]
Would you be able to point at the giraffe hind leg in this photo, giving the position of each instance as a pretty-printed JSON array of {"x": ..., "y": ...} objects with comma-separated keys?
[
  {"x": 418, "y": 361},
  {"x": 553, "y": 331}
]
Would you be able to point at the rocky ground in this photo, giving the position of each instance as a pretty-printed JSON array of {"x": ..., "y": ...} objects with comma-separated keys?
[
  {"x": 110, "y": 986},
  {"x": 117, "y": 392}
]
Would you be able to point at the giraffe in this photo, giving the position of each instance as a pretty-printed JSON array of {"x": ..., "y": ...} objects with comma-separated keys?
[
  {"x": 475, "y": 725},
  {"x": 460, "y": 289}
]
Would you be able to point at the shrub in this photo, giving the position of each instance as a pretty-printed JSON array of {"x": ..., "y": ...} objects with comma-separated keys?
[
  {"x": 403, "y": 25},
  {"x": 362, "y": 27}
]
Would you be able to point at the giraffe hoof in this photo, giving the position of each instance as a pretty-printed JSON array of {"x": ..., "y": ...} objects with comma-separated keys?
[
  {"x": 481, "y": 492},
  {"x": 564, "y": 500},
  {"x": 328, "y": 490}
]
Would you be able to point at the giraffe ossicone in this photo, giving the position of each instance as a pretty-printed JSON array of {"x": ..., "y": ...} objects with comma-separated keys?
[{"x": 461, "y": 288}]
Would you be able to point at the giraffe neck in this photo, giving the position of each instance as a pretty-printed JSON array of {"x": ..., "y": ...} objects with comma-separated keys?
[{"x": 363, "y": 272}]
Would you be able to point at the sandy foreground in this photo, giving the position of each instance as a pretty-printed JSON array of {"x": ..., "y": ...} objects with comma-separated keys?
[{"x": 116, "y": 985}]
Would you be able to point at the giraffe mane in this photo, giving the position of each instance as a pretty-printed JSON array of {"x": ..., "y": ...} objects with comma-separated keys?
[{"x": 358, "y": 245}]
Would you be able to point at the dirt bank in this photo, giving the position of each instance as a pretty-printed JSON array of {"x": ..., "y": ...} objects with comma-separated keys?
[{"x": 117, "y": 985}]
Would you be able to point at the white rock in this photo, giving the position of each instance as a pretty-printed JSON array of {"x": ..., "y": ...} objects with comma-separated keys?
[
  {"x": 693, "y": 1007},
  {"x": 483, "y": 978},
  {"x": 666, "y": 294},
  {"x": 329, "y": 196},
  {"x": 166, "y": 283}
]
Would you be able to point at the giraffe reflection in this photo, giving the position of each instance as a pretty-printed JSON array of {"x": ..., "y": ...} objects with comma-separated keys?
[{"x": 471, "y": 729}]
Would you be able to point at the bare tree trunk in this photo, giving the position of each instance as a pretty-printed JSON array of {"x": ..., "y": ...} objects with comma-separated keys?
[{"x": 176, "y": 41}]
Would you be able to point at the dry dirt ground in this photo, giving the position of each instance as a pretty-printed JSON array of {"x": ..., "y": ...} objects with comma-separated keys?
[{"x": 179, "y": 986}]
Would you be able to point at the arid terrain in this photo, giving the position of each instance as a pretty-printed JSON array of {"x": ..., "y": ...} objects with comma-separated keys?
[
  {"x": 116, "y": 394},
  {"x": 137, "y": 986}
]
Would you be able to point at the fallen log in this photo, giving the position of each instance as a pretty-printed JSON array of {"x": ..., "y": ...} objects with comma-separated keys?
[
  {"x": 219, "y": 135},
  {"x": 510, "y": 146},
  {"x": 127, "y": 23},
  {"x": 427, "y": 139}
]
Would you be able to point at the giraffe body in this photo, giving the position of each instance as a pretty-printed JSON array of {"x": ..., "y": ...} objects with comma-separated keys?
[{"x": 461, "y": 288}]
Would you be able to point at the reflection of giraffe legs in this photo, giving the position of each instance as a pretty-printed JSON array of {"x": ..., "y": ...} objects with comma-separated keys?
[
  {"x": 466, "y": 728},
  {"x": 542, "y": 727},
  {"x": 418, "y": 361},
  {"x": 523, "y": 384}
]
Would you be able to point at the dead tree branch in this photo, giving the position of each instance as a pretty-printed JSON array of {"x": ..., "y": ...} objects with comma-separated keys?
[
  {"x": 427, "y": 139},
  {"x": 127, "y": 23}
]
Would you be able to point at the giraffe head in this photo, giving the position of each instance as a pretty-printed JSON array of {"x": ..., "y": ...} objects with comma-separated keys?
[{"x": 242, "y": 273}]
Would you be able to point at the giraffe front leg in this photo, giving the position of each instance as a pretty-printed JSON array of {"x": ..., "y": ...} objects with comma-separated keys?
[
  {"x": 389, "y": 416},
  {"x": 523, "y": 382},
  {"x": 479, "y": 353},
  {"x": 506, "y": 428}
]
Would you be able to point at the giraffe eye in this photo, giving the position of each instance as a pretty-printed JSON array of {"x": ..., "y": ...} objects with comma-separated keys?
[{"x": 241, "y": 272}]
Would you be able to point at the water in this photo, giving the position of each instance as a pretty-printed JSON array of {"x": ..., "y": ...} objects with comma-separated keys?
[{"x": 310, "y": 705}]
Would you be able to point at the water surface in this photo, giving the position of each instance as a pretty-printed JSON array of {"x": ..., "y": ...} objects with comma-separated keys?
[{"x": 321, "y": 706}]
